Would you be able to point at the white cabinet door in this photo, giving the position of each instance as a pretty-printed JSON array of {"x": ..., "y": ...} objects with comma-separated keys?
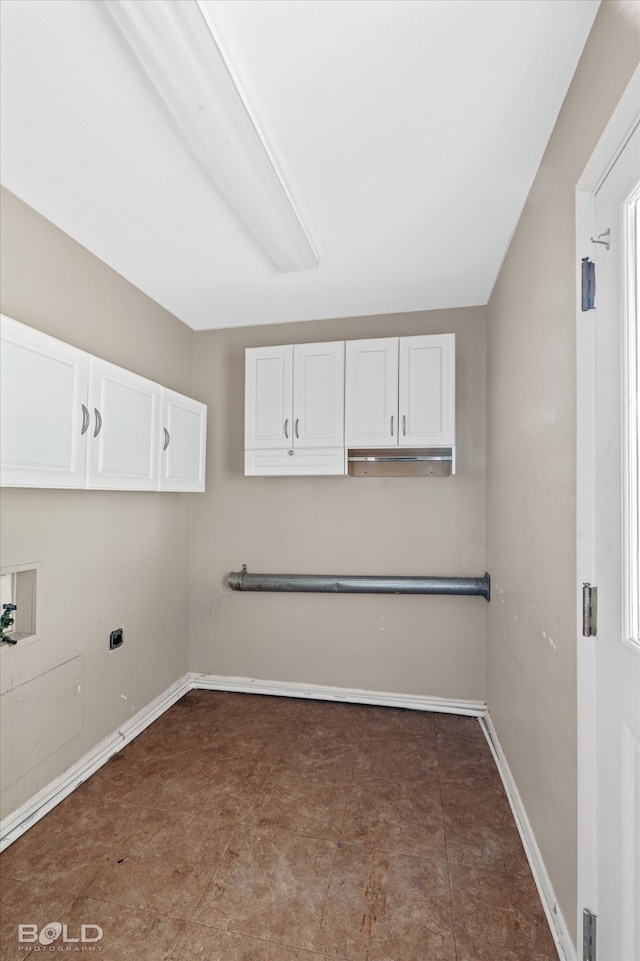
[
  {"x": 268, "y": 409},
  {"x": 371, "y": 393},
  {"x": 318, "y": 395},
  {"x": 427, "y": 391},
  {"x": 183, "y": 442},
  {"x": 44, "y": 418},
  {"x": 125, "y": 429}
]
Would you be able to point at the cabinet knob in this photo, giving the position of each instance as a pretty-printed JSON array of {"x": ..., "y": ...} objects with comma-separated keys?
[
  {"x": 286, "y": 428},
  {"x": 297, "y": 423},
  {"x": 167, "y": 438},
  {"x": 291, "y": 453},
  {"x": 98, "y": 427}
]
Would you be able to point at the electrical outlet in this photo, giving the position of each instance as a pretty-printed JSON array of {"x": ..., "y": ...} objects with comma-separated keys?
[{"x": 116, "y": 639}]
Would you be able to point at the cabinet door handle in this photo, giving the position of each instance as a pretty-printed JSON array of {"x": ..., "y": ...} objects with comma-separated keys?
[
  {"x": 167, "y": 438},
  {"x": 404, "y": 425},
  {"x": 85, "y": 420},
  {"x": 98, "y": 422},
  {"x": 286, "y": 428},
  {"x": 297, "y": 422},
  {"x": 392, "y": 425}
]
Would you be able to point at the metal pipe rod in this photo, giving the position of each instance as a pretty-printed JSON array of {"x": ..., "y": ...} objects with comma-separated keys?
[{"x": 348, "y": 584}]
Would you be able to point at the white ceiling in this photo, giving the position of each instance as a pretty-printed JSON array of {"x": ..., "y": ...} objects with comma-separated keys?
[{"x": 408, "y": 133}]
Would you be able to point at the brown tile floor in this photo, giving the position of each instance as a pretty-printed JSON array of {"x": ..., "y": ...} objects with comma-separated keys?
[{"x": 247, "y": 828}]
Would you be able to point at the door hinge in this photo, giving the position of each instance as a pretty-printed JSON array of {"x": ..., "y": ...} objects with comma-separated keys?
[
  {"x": 589, "y": 610},
  {"x": 589, "y": 925}
]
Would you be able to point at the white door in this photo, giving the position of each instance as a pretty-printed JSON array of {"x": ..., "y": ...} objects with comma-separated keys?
[
  {"x": 43, "y": 431},
  {"x": 125, "y": 429},
  {"x": 318, "y": 395},
  {"x": 183, "y": 439},
  {"x": 427, "y": 371},
  {"x": 268, "y": 405},
  {"x": 371, "y": 393},
  {"x": 617, "y": 644}
]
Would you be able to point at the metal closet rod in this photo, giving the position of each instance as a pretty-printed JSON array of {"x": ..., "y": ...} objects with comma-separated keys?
[{"x": 347, "y": 584}]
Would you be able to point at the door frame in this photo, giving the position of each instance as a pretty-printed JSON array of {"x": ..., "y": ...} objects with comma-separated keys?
[{"x": 609, "y": 147}]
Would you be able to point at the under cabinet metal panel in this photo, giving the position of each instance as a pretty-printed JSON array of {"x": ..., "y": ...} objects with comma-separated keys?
[{"x": 406, "y": 462}]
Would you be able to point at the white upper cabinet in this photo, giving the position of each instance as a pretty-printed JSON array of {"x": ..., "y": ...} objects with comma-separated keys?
[
  {"x": 318, "y": 395},
  {"x": 184, "y": 437},
  {"x": 400, "y": 392},
  {"x": 305, "y": 404},
  {"x": 427, "y": 371},
  {"x": 294, "y": 409},
  {"x": 44, "y": 414},
  {"x": 73, "y": 420},
  {"x": 123, "y": 452},
  {"x": 268, "y": 407},
  {"x": 371, "y": 393}
]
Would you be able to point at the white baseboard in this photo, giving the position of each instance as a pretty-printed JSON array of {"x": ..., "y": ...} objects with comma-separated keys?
[
  {"x": 560, "y": 932},
  {"x": 415, "y": 702},
  {"x": 41, "y": 803}
]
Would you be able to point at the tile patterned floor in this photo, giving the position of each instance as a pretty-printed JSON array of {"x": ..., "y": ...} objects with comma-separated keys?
[{"x": 246, "y": 828}]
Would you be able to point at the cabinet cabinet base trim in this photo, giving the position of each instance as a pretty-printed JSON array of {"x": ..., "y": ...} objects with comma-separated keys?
[{"x": 295, "y": 463}]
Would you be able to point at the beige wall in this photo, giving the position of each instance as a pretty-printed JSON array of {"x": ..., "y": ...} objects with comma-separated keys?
[
  {"x": 417, "y": 645},
  {"x": 531, "y": 627},
  {"x": 108, "y": 559}
]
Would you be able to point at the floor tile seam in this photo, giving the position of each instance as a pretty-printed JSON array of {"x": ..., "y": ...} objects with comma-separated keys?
[
  {"x": 483, "y": 906},
  {"x": 171, "y": 812},
  {"x": 367, "y": 778},
  {"x": 65, "y": 893},
  {"x": 12, "y": 877},
  {"x": 478, "y": 738},
  {"x": 459, "y": 779},
  {"x": 235, "y": 757},
  {"x": 176, "y": 943},
  {"x": 462, "y": 737},
  {"x": 326, "y": 896},
  {"x": 423, "y": 736},
  {"x": 263, "y": 940},
  {"x": 339, "y": 845},
  {"x": 475, "y": 861},
  {"x": 361, "y": 845},
  {"x": 402, "y": 854},
  {"x": 241, "y": 933},
  {"x": 215, "y": 873},
  {"x": 349, "y": 792},
  {"x": 154, "y": 861},
  {"x": 265, "y": 728},
  {"x": 446, "y": 851},
  {"x": 69, "y": 892},
  {"x": 145, "y": 863},
  {"x": 134, "y": 909},
  {"x": 332, "y": 957},
  {"x": 152, "y": 915}
]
